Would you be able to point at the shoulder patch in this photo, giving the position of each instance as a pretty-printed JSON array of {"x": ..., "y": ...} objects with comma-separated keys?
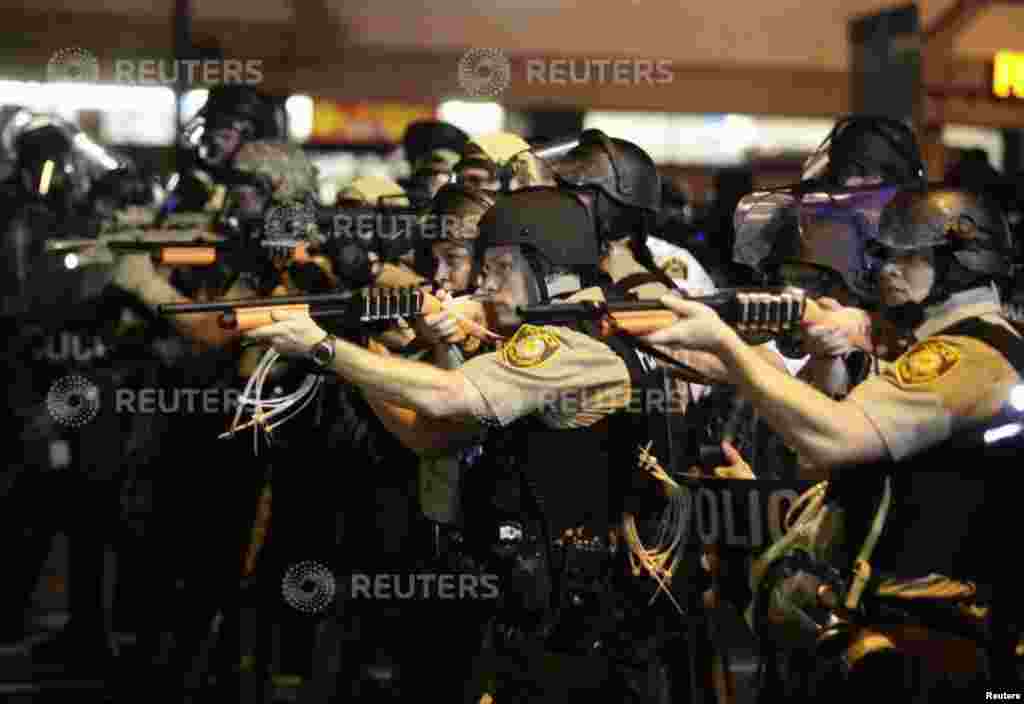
[
  {"x": 675, "y": 266},
  {"x": 531, "y": 346},
  {"x": 925, "y": 362}
]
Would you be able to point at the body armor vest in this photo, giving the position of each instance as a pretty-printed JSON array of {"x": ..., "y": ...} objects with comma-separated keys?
[{"x": 534, "y": 483}]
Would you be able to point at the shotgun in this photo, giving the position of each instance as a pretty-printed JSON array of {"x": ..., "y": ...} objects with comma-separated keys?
[
  {"x": 758, "y": 314},
  {"x": 349, "y": 310}
]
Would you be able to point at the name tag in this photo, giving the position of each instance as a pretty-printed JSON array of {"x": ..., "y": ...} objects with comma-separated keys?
[{"x": 739, "y": 513}]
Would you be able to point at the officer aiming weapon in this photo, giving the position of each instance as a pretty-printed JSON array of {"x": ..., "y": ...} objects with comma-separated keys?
[
  {"x": 757, "y": 313},
  {"x": 344, "y": 309}
]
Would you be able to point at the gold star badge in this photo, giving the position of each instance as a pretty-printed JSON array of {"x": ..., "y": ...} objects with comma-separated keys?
[
  {"x": 675, "y": 267},
  {"x": 926, "y": 362},
  {"x": 531, "y": 346}
]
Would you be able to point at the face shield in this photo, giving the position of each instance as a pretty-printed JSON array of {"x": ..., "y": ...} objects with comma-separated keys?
[
  {"x": 814, "y": 240},
  {"x": 58, "y": 164}
]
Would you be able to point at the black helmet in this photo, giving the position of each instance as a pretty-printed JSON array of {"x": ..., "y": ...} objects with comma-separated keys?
[
  {"x": 58, "y": 163},
  {"x": 239, "y": 107},
  {"x": 867, "y": 146},
  {"x": 547, "y": 222},
  {"x": 227, "y": 103},
  {"x": 461, "y": 201},
  {"x": 971, "y": 228},
  {"x": 446, "y": 221},
  {"x": 621, "y": 170},
  {"x": 422, "y": 138}
]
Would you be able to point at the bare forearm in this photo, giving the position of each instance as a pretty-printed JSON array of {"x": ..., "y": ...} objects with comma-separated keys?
[
  {"x": 711, "y": 367},
  {"x": 824, "y": 432},
  {"x": 428, "y": 390},
  {"x": 420, "y": 434}
]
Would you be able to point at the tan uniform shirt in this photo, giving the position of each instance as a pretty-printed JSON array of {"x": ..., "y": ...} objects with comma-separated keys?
[
  {"x": 570, "y": 379},
  {"x": 943, "y": 384}
]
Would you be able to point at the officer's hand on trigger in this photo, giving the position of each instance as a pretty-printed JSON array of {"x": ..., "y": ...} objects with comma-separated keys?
[
  {"x": 737, "y": 467},
  {"x": 437, "y": 328},
  {"x": 824, "y": 341}
]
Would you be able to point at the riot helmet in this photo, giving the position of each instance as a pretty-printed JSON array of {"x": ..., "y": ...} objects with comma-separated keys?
[
  {"x": 432, "y": 148},
  {"x": 968, "y": 233},
  {"x": 57, "y": 164},
  {"x": 862, "y": 149},
  {"x": 232, "y": 115},
  {"x": 554, "y": 230},
  {"x": 449, "y": 232},
  {"x": 813, "y": 234},
  {"x": 619, "y": 169}
]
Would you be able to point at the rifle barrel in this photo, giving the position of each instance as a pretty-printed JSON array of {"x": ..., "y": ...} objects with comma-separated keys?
[
  {"x": 143, "y": 246},
  {"x": 224, "y": 306}
]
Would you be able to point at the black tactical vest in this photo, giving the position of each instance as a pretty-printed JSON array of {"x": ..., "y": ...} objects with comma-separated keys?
[
  {"x": 533, "y": 483},
  {"x": 949, "y": 503}
]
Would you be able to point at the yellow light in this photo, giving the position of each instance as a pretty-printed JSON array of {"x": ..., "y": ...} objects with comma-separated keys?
[{"x": 1008, "y": 74}]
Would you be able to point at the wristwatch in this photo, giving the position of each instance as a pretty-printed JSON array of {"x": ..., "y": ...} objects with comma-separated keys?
[{"x": 322, "y": 352}]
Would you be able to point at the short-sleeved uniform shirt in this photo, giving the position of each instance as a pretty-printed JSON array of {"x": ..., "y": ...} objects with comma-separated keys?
[
  {"x": 568, "y": 378},
  {"x": 943, "y": 384}
]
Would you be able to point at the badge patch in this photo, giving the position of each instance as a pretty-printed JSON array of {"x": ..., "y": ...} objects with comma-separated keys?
[
  {"x": 531, "y": 346},
  {"x": 926, "y": 362},
  {"x": 675, "y": 267}
]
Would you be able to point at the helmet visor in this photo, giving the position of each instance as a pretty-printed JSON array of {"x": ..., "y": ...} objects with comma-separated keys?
[{"x": 828, "y": 230}]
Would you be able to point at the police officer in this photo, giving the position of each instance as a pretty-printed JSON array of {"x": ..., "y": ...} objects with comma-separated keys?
[
  {"x": 80, "y": 346},
  {"x": 551, "y": 392},
  {"x": 911, "y": 534},
  {"x": 231, "y": 116},
  {"x": 813, "y": 235},
  {"x": 270, "y": 181},
  {"x": 501, "y": 161},
  {"x": 432, "y": 149}
]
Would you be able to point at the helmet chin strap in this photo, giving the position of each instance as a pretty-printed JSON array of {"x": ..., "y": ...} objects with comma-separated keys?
[
  {"x": 560, "y": 284},
  {"x": 552, "y": 285},
  {"x": 905, "y": 316},
  {"x": 911, "y": 315}
]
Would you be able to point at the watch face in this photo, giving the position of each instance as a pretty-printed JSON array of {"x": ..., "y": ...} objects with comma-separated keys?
[{"x": 323, "y": 352}]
